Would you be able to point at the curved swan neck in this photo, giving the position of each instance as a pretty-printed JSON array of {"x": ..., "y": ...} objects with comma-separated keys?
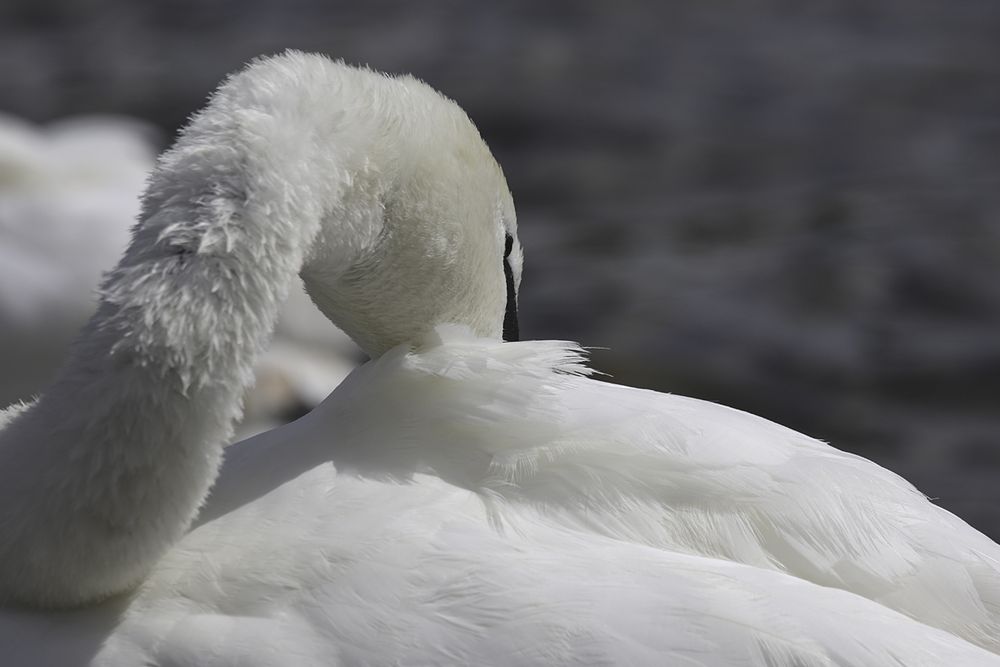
[{"x": 108, "y": 468}]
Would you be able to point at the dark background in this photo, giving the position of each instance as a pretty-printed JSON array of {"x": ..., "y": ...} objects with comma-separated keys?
[{"x": 794, "y": 210}]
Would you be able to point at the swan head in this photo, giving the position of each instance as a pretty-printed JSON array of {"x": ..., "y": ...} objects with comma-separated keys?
[{"x": 423, "y": 230}]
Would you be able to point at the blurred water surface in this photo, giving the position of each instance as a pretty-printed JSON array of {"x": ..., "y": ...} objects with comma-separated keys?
[{"x": 793, "y": 209}]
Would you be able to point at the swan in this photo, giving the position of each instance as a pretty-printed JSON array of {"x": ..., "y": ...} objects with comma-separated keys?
[
  {"x": 459, "y": 499},
  {"x": 69, "y": 192}
]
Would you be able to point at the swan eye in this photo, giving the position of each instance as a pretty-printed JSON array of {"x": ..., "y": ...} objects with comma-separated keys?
[{"x": 510, "y": 329}]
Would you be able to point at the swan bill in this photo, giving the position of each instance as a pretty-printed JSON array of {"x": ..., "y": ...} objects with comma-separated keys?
[{"x": 511, "y": 331}]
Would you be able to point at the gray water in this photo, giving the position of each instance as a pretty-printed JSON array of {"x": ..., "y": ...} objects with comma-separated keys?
[{"x": 795, "y": 211}]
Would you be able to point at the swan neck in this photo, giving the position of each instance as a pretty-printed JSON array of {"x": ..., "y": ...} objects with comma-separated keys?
[{"x": 107, "y": 469}]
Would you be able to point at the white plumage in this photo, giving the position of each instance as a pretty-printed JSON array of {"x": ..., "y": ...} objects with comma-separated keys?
[{"x": 457, "y": 500}]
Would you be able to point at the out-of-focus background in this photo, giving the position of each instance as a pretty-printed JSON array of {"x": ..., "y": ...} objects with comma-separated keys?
[{"x": 792, "y": 208}]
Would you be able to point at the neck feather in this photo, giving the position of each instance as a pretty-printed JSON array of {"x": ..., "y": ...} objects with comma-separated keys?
[{"x": 107, "y": 469}]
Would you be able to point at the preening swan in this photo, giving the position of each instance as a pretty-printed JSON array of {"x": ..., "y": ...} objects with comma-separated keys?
[{"x": 457, "y": 500}]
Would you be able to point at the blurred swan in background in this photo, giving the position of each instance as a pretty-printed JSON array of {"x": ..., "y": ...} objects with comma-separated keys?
[
  {"x": 306, "y": 358},
  {"x": 457, "y": 500},
  {"x": 69, "y": 194}
]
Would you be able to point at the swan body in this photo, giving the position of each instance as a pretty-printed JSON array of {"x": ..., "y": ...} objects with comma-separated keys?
[{"x": 457, "y": 500}]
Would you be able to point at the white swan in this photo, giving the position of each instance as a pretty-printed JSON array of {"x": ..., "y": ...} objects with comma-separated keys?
[
  {"x": 69, "y": 193},
  {"x": 458, "y": 500}
]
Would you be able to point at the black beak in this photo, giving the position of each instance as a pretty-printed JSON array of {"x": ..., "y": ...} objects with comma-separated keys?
[{"x": 510, "y": 329}]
